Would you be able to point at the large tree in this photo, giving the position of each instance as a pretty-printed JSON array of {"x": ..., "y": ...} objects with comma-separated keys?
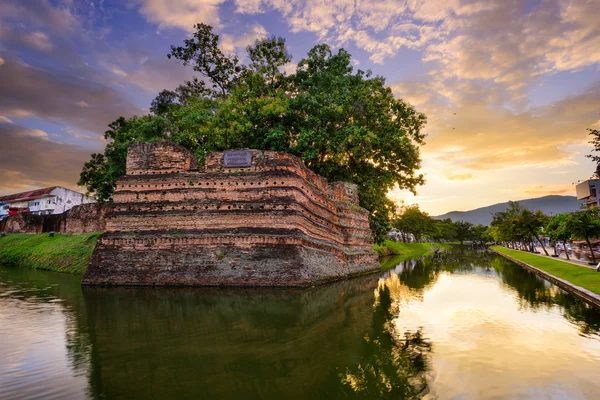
[
  {"x": 464, "y": 231},
  {"x": 344, "y": 124},
  {"x": 557, "y": 229},
  {"x": 412, "y": 220},
  {"x": 532, "y": 222},
  {"x": 584, "y": 224}
]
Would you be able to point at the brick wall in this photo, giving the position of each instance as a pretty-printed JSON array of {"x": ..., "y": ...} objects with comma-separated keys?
[
  {"x": 272, "y": 223},
  {"x": 84, "y": 218}
]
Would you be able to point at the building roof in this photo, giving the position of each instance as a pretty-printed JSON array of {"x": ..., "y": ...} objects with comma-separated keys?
[{"x": 30, "y": 195}]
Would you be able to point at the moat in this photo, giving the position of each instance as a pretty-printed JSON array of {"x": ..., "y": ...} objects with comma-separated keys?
[{"x": 467, "y": 325}]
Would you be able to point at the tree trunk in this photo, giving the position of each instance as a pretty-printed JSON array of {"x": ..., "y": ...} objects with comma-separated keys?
[
  {"x": 566, "y": 250},
  {"x": 542, "y": 243},
  {"x": 591, "y": 251}
]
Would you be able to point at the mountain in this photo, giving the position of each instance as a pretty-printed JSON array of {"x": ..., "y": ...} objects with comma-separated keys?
[{"x": 548, "y": 204}]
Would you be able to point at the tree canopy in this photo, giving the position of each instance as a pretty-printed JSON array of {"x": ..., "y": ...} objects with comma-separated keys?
[
  {"x": 584, "y": 224},
  {"x": 518, "y": 225},
  {"x": 345, "y": 125},
  {"x": 413, "y": 221}
]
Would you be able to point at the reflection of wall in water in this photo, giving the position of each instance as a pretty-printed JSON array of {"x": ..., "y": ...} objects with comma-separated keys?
[{"x": 226, "y": 343}]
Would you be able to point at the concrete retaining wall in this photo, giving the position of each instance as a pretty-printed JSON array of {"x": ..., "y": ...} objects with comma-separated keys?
[{"x": 582, "y": 293}]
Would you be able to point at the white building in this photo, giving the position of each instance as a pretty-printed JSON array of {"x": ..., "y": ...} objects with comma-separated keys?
[
  {"x": 587, "y": 191},
  {"x": 52, "y": 200}
]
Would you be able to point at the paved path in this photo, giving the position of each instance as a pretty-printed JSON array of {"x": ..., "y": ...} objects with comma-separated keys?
[{"x": 563, "y": 257}]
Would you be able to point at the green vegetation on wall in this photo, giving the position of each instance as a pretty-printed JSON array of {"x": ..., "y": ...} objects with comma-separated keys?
[{"x": 60, "y": 253}]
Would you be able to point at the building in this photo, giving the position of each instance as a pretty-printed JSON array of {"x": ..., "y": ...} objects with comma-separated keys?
[
  {"x": 587, "y": 191},
  {"x": 3, "y": 210},
  {"x": 52, "y": 200}
]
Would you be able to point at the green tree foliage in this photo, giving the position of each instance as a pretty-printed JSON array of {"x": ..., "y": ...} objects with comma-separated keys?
[
  {"x": 443, "y": 230},
  {"x": 519, "y": 225},
  {"x": 556, "y": 229},
  {"x": 533, "y": 223},
  {"x": 584, "y": 224},
  {"x": 345, "y": 125},
  {"x": 479, "y": 234},
  {"x": 413, "y": 221},
  {"x": 464, "y": 231}
]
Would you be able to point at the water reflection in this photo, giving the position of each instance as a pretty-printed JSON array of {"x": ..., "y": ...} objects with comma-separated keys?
[
  {"x": 464, "y": 324},
  {"x": 323, "y": 343},
  {"x": 44, "y": 348},
  {"x": 395, "y": 365}
]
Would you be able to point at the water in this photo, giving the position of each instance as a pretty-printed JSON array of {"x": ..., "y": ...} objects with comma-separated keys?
[{"x": 468, "y": 326}]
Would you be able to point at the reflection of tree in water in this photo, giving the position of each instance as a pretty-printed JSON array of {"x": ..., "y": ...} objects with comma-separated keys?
[
  {"x": 395, "y": 366},
  {"x": 532, "y": 291},
  {"x": 535, "y": 292}
]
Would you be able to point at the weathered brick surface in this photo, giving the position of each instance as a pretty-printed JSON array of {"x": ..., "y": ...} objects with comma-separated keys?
[
  {"x": 275, "y": 223},
  {"x": 84, "y": 218},
  {"x": 23, "y": 223}
]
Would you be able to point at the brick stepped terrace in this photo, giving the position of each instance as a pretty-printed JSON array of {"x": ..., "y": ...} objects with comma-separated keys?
[{"x": 260, "y": 220}]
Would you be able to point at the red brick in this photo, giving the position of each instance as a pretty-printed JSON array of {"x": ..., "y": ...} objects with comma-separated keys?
[{"x": 275, "y": 223}]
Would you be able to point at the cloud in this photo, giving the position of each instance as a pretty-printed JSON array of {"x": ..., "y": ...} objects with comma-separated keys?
[
  {"x": 38, "y": 40},
  {"x": 150, "y": 72},
  {"x": 470, "y": 130},
  {"x": 545, "y": 190},
  {"x": 502, "y": 42},
  {"x": 289, "y": 68},
  {"x": 460, "y": 177},
  {"x": 29, "y": 159},
  {"x": 118, "y": 71},
  {"x": 31, "y": 92},
  {"x": 40, "y": 14},
  {"x": 232, "y": 44},
  {"x": 181, "y": 13}
]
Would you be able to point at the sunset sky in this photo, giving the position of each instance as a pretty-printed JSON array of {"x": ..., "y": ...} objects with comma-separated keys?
[{"x": 509, "y": 87}]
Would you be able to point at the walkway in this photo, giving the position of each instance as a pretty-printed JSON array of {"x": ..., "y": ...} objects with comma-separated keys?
[{"x": 563, "y": 257}]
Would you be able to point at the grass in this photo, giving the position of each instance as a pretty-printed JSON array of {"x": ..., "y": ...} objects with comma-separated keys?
[
  {"x": 61, "y": 253},
  {"x": 408, "y": 250},
  {"x": 578, "y": 275}
]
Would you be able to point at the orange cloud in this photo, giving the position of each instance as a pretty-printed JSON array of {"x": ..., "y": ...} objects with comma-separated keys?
[
  {"x": 544, "y": 190},
  {"x": 460, "y": 177}
]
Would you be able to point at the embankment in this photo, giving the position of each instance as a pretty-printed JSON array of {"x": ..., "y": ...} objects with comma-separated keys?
[
  {"x": 395, "y": 252},
  {"x": 60, "y": 253},
  {"x": 581, "y": 281}
]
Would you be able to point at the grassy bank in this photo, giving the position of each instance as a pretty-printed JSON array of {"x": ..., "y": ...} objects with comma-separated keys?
[
  {"x": 578, "y": 275},
  {"x": 61, "y": 253},
  {"x": 410, "y": 250}
]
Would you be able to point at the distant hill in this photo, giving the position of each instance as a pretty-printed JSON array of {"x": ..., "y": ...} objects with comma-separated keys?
[{"x": 548, "y": 204}]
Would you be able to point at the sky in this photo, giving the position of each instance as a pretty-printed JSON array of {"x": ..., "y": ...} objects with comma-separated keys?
[{"x": 509, "y": 87}]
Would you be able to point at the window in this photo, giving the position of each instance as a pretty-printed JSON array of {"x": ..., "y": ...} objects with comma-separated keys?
[{"x": 49, "y": 201}]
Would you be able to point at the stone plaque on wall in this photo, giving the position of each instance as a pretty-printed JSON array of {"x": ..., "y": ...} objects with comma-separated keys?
[{"x": 237, "y": 158}]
